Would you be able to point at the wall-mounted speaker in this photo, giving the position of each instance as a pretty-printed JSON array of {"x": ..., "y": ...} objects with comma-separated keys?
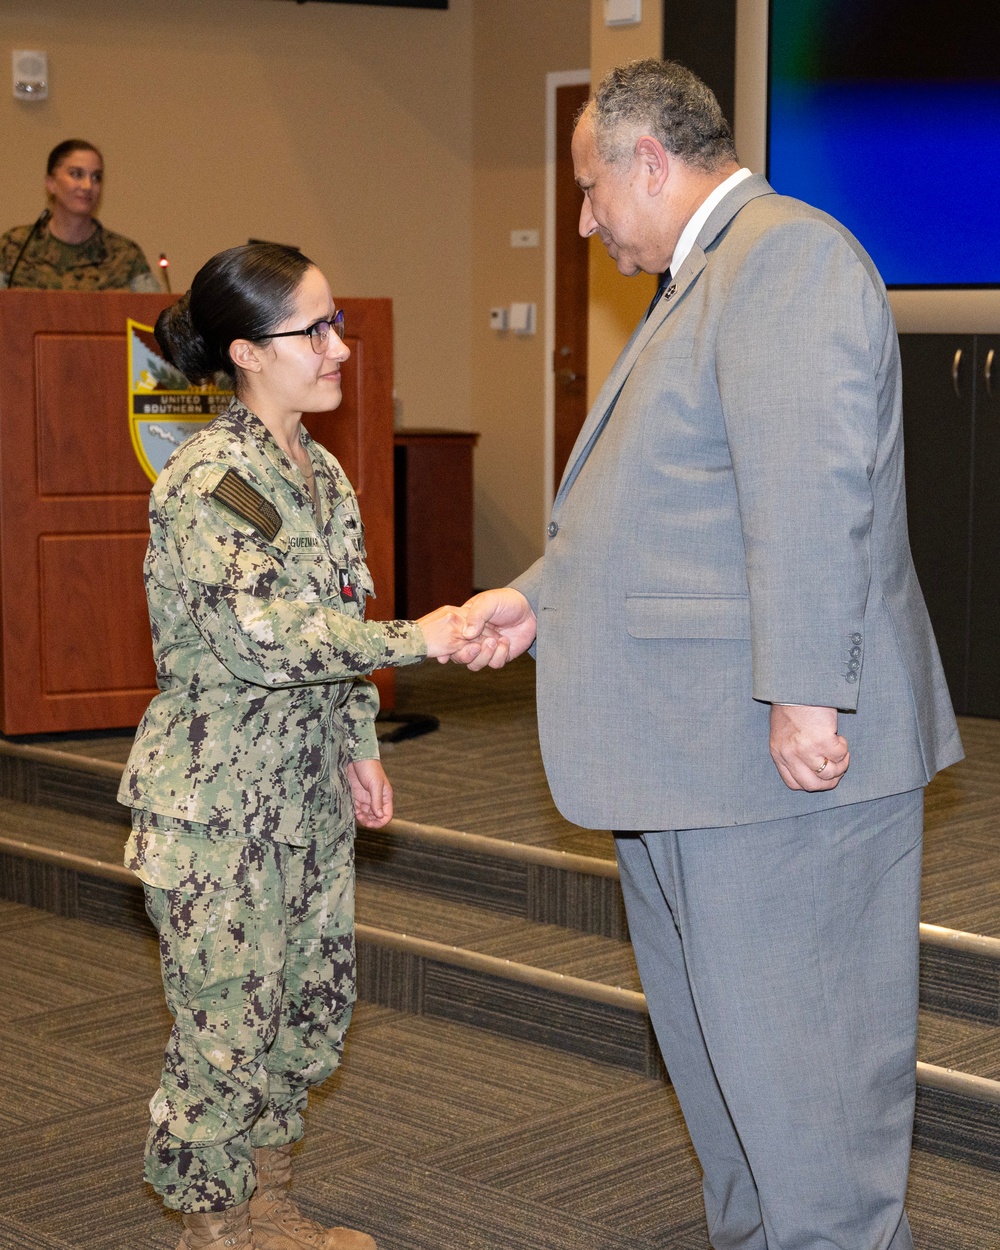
[{"x": 30, "y": 72}]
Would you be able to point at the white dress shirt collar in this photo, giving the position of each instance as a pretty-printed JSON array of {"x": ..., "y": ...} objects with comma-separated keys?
[{"x": 701, "y": 215}]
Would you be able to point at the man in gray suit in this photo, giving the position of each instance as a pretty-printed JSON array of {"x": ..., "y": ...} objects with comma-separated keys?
[{"x": 737, "y": 674}]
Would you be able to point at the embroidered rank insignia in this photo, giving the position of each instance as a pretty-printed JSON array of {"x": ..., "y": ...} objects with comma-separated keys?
[{"x": 248, "y": 504}]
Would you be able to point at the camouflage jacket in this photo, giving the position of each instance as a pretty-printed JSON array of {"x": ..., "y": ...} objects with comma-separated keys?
[
  {"x": 106, "y": 262},
  {"x": 259, "y": 637}
]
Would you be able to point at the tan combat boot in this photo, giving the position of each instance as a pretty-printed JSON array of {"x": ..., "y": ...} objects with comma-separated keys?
[
  {"x": 278, "y": 1224},
  {"x": 218, "y": 1230}
]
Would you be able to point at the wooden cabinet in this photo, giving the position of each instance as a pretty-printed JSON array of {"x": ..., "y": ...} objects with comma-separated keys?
[
  {"x": 434, "y": 531},
  {"x": 951, "y": 419}
]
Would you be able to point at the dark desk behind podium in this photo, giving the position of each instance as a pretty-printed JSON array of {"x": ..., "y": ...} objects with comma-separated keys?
[
  {"x": 75, "y": 651},
  {"x": 434, "y": 519}
]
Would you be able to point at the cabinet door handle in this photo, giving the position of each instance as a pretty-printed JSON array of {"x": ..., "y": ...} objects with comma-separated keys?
[
  {"x": 988, "y": 371},
  {"x": 954, "y": 372}
]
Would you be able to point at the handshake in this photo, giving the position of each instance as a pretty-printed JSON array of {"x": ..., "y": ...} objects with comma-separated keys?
[{"x": 485, "y": 632}]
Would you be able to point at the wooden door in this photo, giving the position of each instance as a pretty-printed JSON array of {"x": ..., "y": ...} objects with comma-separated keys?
[
  {"x": 569, "y": 361},
  {"x": 74, "y": 632},
  {"x": 938, "y": 381}
]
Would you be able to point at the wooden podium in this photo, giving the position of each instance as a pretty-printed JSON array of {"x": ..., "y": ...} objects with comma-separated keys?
[{"x": 75, "y": 649}]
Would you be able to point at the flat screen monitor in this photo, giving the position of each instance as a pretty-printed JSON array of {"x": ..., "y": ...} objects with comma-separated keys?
[{"x": 886, "y": 114}]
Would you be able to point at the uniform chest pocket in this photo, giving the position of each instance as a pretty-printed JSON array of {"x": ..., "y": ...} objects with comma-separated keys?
[{"x": 308, "y": 572}]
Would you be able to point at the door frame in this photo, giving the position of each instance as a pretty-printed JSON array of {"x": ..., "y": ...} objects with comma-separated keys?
[{"x": 553, "y": 80}]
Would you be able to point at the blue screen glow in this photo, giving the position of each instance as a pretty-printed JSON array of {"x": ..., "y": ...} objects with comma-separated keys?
[{"x": 912, "y": 168}]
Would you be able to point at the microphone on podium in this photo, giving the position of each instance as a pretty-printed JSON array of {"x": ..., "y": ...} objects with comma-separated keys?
[
  {"x": 165, "y": 266},
  {"x": 40, "y": 221}
]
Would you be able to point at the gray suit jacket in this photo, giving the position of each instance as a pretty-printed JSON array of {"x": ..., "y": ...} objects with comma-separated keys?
[{"x": 730, "y": 532}]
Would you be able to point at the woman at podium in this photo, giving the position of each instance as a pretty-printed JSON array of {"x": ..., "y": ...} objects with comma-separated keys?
[{"x": 67, "y": 248}]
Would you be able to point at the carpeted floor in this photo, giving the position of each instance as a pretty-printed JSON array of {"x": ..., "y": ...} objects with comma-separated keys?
[{"x": 433, "y": 1135}]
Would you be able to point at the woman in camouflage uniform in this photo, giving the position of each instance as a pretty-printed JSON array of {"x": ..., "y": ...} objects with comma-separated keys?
[
  {"x": 67, "y": 248},
  {"x": 252, "y": 761}
]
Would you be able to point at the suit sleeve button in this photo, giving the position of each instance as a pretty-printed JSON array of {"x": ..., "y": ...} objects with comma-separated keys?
[
  {"x": 855, "y": 652},
  {"x": 851, "y": 676},
  {"x": 552, "y": 529},
  {"x": 856, "y": 639}
]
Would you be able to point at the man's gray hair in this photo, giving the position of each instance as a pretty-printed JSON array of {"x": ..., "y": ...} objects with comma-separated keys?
[{"x": 667, "y": 101}]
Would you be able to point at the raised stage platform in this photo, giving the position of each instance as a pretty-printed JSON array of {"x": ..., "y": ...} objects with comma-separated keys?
[{"x": 481, "y": 905}]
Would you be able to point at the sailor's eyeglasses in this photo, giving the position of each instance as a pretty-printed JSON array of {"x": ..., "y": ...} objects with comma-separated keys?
[{"x": 318, "y": 333}]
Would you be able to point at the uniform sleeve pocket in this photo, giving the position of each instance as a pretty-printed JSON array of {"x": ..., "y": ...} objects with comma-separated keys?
[{"x": 687, "y": 616}]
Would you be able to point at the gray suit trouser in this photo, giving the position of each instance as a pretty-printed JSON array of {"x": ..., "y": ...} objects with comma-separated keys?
[{"x": 780, "y": 964}]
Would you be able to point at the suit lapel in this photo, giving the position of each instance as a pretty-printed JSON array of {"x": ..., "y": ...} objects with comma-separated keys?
[
  {"x": 693, "y": 264},
  {"x": 604, "y": 405}
]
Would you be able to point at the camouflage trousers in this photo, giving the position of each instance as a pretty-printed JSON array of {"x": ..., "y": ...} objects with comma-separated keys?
[{"x": 257, "y": 956}]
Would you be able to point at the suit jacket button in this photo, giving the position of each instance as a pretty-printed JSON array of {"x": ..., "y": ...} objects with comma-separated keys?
[
  {"x": 552, "y": 529},
  {"x": 856, "y": 639},
  {"x": 855, "y": 652},
  {"x": 851, "y": 676}
]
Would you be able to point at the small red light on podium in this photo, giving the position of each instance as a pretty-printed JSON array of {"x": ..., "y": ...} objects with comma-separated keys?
[
  {"x": 163, "y": 261},
  {"x": 165, "y": 265}
]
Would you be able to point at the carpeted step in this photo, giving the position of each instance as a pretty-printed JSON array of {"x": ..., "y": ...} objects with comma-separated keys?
[
  {"x": 80, "y": 784},
  {"x": 464, "y": 962},
  {"x": 958, "y": 1115},
  {"x": 420, "y": 952},
  {"x": 553, "y": 887},
  {"x": 468, "y": 963},
  {"x": 39, "y": 845}
]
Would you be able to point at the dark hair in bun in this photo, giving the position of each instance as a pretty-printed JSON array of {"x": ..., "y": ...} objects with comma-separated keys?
[
  {"x": 241, "y": 293},
  {"x": 67, "y": 148}
]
